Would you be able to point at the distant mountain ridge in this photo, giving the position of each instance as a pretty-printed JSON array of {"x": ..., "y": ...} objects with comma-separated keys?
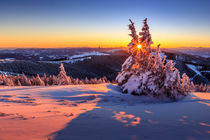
[{"x": 96, "y": 64}]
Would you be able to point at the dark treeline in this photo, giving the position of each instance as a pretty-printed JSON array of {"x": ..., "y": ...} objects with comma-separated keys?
[{"x": 60, "y": 79}]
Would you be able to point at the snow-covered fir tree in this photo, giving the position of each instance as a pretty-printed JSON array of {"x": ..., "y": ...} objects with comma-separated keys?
[
  {"x": 25, "y": 81},
  {"x": 63, "y": 79},
  {"x": 76, "y": 81},
  {"x": 93, "y": 80},
  {"x": 18, "y": 83},
  {"x": 1, "y": 79},
  {"x": 53, "y": 80},
  {"x": 38, "y": 81},
  {"x": 7, "y": 80},
  {"x": 202, "y": 88},
  {"x": 86, "y": 81},
  {"x": 146, "y": 73},
  {"x": 45, "y": 79}
]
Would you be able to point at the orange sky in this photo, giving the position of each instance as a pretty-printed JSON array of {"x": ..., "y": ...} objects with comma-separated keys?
[{"x": 45, "y": 40}]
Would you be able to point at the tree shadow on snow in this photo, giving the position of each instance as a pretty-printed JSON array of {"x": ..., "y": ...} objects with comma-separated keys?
[{"x": 116, "y": 118}]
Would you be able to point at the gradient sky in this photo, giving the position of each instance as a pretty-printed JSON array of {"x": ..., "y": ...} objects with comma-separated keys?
[{"x": 93, "y": 23}]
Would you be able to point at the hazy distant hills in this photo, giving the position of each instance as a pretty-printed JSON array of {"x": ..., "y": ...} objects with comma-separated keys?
[
  {"x": 198, "y": 51},
  {"x": 97, "y": 62}
]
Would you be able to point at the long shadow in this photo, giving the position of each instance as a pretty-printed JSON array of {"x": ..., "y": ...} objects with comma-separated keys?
[
  {"x": 10, "y": 88},
  {"x": 14, "y": 89},
  {"x": 119, "y": 119}
]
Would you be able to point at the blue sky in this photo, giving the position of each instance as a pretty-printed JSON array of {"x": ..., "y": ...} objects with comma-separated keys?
[{"x": 39, "y": 23}]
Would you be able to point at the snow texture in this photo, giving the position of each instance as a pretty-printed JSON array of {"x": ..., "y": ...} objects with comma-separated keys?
[{"x": 89, "y": 112}]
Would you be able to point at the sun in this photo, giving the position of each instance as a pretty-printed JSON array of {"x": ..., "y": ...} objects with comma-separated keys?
[{"x": 139, "y": 46}]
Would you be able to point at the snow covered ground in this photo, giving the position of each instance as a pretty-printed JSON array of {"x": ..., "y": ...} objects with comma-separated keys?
[
  {"x": 92, "y": 112},
  {"x": 87, "y": 54}
]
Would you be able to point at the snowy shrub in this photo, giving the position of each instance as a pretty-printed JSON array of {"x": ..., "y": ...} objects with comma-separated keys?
[{"x": 146, "y": 73}]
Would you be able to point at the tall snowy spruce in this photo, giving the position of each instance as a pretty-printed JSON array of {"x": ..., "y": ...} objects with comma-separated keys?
[
  {"x": 145, "y": 72},
  {"x": 63, "y": 79}
]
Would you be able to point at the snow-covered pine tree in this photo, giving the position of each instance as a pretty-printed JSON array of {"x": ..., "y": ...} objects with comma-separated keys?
[
  {"x": 38, "y": 81},
  {"x": 100, "y": 81},
  {"x": 93, "y": 80},
  {"x": 18, "y": 83},
  {"x": 53, "y": 80},
  {"x": 86, "y": 81},
  {"x": 45, "y": 79},
  {"x": 146, "y": 73},
  {"x": 8, "y": 81},
  {"x": 63, "y": 79},
  {"x": 202, "y": 88},
  {"x": 185, "y": 83},
  {"x": 76, "y": 81},
  {"x": 105, "y": 80},
  {"x": 25, "y": 81},
  {"x": 81, "y": 82},
  {"x": 1, "y": 79}
]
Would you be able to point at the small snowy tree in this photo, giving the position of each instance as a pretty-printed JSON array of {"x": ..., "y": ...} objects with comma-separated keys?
[
  {"x": 8, "y": 81},
  {"x": 185, "y": 83},
  {"x": 18, "y": 83},
  {"x": 146, "y": 73},
  {"x": 45, "y": 79},
  {"x": 1, "y": 79},
  {"x": 53, "y": 80},
  {"x": 93, "y": 80},
  {"x": 63, "y": 79},
  {"x": 202, "y": 88},
  {"x": 25, "y": 81},
  {"x": 76, "y": 81},
  {"x": 81, "y": 82},
  {"x": 100, "y": 81},
  {"x": 86, "y": 81},
  {"x": 38, "y": 81}
]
